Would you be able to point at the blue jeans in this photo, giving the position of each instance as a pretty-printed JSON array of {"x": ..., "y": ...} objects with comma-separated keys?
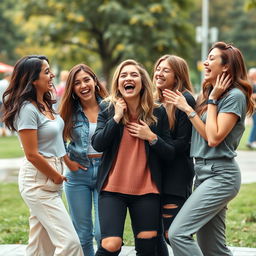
[
  {"x": 81, "y": 192},
  {"x": 252, "y": 136}
]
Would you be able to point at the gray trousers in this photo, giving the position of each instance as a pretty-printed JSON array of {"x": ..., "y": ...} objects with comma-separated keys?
[{"x": 217, "y": 182}]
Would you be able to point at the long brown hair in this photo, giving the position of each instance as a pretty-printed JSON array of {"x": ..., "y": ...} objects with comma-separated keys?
[
  {"x": 233, "y": 59},
  {"x": 182, "y": 81},
  {"x": 69, "y": 102},
  {"x": 147, "y": 104},
  {"x": 21, "y": 88}
]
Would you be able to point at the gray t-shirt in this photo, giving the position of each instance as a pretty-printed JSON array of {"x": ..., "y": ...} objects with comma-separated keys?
[
  {"x": 233, "y": 102},
  {"x": 49, "y": 132}
]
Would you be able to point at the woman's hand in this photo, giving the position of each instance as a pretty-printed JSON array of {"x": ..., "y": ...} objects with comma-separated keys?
[
  {"x": 73, "y": 165},
  {"x": 59, "y": 179},
  {"x": 141, "y": 131},
  {"x": 177, "y": 99},
  {"x": 120, "y": 108},
  {"x": 222, "y": 83}
]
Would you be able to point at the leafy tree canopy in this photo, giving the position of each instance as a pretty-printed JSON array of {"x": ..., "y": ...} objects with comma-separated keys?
[{"x": 110, "y": 31}]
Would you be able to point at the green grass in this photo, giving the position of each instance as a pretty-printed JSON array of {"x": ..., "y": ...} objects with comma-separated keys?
[
  {"x": 10, "y": 146},
  {"x": 241, "y": 218}
]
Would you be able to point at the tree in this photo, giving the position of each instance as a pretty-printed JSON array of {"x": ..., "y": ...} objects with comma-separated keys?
[
  {"x": 112, "y": 30},
  {"x": 9, "y": 33},
  {"x": 250, "y": 4}
]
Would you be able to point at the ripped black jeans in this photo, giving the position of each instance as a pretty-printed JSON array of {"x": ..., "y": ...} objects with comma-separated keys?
[
  {"x": 171, "y": 205},
  {"x": 144, "y": 213}
]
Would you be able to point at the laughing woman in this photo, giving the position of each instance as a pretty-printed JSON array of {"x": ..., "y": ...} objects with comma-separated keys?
[
  {"x": 218, "y": 125},
  {"x": 79, "y": 109},
  {"x": 172, "y": 72},
  {"x": 132, "y": 132},
  {"x": 28, "y": 110}
]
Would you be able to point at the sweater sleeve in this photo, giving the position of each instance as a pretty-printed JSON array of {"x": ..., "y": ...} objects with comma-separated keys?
[
  {"x": 164, "y": 146},
  {"x": 106, "y": 129},
  {"x": 182, "y": 130}
]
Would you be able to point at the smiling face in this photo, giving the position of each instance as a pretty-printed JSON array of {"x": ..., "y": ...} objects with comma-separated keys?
[
  {"x": 213, "y": 66},
  {"x": 44, "y": 83},
  {"x": 164, "y": 76},
  {"x": 129, "y": 82},
  {"x": 84, "y": 86}
]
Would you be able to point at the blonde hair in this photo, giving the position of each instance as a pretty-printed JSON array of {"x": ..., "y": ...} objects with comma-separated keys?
[
  {"x": 147, "y": 105},
  {"x": 182, "y": 81}
]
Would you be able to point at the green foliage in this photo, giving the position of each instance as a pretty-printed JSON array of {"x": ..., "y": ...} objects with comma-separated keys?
[
  {"x": 112, "y": 30},
  {"x": 10, "y": 35},
  {"x": 250, "y": 4}
]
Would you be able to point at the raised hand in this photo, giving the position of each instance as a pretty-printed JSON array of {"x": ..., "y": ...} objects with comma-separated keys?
[
  {"x": 223, "y": 81},
  {"x": 175, "y": 98},
  {"x": 120, "y": 108}
]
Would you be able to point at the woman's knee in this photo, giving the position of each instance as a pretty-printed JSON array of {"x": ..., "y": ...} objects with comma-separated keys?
[{"x": 112, "y": 244}]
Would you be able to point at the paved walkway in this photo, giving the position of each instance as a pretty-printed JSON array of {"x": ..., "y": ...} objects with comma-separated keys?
[
  {"x": 9, "y": 170},
  {"x": 19, "y": 250}
]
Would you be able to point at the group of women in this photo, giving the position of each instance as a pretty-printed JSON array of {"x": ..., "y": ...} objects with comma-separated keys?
[{"x": 131, "y": 149}]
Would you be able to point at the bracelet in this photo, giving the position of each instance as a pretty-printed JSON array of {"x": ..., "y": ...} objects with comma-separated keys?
[
  {"x": 192, "y": 114},
  {"x": 153, "y": 142},
  {"x": 213, "y": 102}
]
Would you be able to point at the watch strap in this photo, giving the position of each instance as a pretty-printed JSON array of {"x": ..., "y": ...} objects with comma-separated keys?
[{"x": 212, "y": 101}]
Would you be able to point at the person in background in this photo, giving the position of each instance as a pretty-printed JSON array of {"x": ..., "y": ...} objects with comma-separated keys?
[
  {"x": 3, "y": 86},
  {"x": 28, "y": 110},
  {"x": 79, "y": 109},
  {"x": 60, "y": 88},
  {"x": 133, "y": 134},
  {"x": 252, "y": 137},
  {"x": 172, "y": 73},
  {"x": 218, "y": 125}
]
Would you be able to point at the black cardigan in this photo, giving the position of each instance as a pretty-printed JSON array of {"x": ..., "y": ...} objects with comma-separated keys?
[
  {"x": 177, "y": 178},
  {"x": 107, "y": 138}
]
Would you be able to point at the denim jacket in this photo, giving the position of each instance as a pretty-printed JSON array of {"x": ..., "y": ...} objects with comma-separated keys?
[{"x": 78, "y": 146}]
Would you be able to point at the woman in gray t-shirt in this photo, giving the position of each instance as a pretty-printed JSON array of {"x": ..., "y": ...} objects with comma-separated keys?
[
  {"x": 218, "y": 125},
  {"x": 28, "y": 111}
]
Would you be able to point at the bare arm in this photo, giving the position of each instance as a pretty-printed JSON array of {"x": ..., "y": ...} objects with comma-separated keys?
[
  {"x": 29, "y": 142},
  {"x": 180, "y": 102},
  {"x": 218, "y": 126}
]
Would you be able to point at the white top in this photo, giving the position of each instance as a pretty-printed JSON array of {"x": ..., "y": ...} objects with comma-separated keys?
[{"x": 91, "y": 150}]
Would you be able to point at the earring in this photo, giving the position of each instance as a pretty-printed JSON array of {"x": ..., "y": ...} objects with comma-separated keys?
[{"x": 97, "y": 87}]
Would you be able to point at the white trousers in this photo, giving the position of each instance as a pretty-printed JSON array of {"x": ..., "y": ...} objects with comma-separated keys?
[{"x": 51, "y": 229}]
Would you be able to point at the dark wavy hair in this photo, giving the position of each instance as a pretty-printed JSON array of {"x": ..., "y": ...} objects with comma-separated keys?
[
  {"x": 21, "y": 88},
  {"x": 233, "y": 58}
]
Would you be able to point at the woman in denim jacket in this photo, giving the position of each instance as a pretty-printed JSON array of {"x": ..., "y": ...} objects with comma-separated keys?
[{"x": 79, "y": 108}]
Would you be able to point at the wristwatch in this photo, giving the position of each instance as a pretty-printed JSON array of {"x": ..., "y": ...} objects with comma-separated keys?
[
  {"x": 153, "y": 142},
  {"x": 211, "y": 101},
  {"x": 191, "y": 114}
]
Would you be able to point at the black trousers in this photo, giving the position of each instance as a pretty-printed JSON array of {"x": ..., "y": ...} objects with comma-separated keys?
[{"x": 144, "y": 212}]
